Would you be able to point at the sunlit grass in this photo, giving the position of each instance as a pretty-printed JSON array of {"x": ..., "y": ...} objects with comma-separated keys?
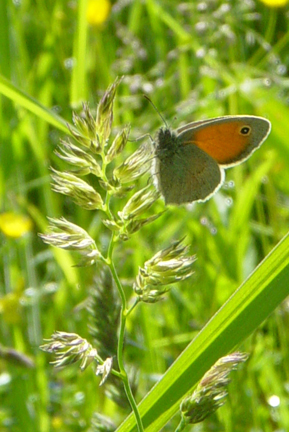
[{"x": 195, "y": 60}]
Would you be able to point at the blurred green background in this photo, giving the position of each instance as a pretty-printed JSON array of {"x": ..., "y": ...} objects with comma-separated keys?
[{"x": 196, "y": 60}]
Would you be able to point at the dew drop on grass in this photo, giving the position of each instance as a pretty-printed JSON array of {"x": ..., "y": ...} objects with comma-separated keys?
[
  {"x": 228, "y": 185},
  {"x": 267, "y": 82},
  {"x": 57, "y": 109},
  {"x": 281, "y": 69},
  {"x": 69, "y": 63},
  {"x": 204, "y": 221},
  {"x": 229, "y": 201}
]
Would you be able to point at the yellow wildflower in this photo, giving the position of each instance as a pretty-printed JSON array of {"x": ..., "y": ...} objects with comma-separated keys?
[
  {"x": 275, "y": 3},
  {"x": 10, "y": 308},
  {"x": 14, "y": 225},
  {"x": 97, "y": 11}
]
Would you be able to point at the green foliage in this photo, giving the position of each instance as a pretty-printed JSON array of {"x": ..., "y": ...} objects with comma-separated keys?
[{"x": 195, "y": 60}]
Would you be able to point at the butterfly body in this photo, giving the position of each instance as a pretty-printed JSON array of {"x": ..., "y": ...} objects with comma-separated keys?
[{"x": 189, "y": 162}]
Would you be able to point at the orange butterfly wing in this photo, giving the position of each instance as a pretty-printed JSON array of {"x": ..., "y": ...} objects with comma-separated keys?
[{"x": 228, "y": 140}]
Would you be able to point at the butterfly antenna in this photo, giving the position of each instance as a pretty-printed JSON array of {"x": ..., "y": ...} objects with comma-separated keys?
[{"x": 155, "y": 108}]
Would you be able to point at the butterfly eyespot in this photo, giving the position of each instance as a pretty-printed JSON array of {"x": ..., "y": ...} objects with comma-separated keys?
[{"x": 245, "y": 130}]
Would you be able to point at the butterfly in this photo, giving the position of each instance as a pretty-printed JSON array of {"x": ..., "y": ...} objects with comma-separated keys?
[{"x": 189, "y": 163}]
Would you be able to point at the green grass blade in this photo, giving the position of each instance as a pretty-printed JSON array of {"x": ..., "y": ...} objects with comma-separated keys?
[
  {"x": 78, "y": 92},
  {"x": 245, "y": 310},
  {"x": 21, "y": 98}
]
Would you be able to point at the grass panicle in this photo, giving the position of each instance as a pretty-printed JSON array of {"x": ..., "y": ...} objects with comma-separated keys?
[
  {"x": 103, "y": 313},
  {"x": 107, "y": 318},
  {"x": 211, "y": 391},
  {"x": 166, "y": 267}
]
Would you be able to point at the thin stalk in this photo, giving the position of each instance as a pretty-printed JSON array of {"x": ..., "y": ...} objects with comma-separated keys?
[
  {"x": 132, "y": 306},
  {"x": 123, "y": 316},
  {"x": 181, "y": 426},
  {"x": 117, "y": 374}
]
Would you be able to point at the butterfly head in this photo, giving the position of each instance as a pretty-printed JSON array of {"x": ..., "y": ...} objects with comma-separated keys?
[{"x": 166, "y": 141}]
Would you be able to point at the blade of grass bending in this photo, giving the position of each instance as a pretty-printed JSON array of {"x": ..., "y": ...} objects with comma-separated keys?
[
  {"x": 244, "y": 311},
  {"x": 26, "y": 101}
]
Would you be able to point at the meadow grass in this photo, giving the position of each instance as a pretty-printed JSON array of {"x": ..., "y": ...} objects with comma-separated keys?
[{"x": 196, "y": 60}]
